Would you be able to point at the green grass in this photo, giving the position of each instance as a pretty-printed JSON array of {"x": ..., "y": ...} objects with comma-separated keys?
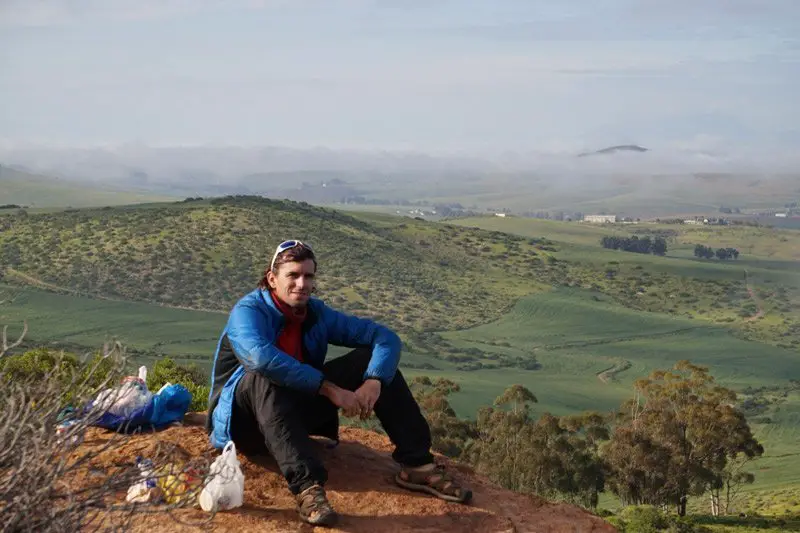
[
  {"x": 756, "y": 242},
  {"x": 83, "y": 324},
  {"x": 733, "y": 524},
  {"x": 564, "y": 232},
  {"x": 780, "y": 439},
  {"x": 713, "y": 291},
  {"x": 575, "y": 335},
  {"x": 88, "y": 322}
]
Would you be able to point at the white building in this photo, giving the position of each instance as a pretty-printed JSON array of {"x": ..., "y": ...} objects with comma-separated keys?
[{"x": 600, "y": 219}]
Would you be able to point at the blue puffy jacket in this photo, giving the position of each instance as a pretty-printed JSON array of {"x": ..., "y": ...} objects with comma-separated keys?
[{"x": 248, "y": 344}]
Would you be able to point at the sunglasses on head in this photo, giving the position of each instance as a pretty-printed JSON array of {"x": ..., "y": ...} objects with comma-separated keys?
[{"x": 286, "y": 245}]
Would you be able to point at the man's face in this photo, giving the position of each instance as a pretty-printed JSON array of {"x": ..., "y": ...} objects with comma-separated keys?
[{"x": 294, "y": 282}]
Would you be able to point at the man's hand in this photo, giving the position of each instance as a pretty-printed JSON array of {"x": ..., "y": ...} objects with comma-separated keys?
[
  {"x": 367, "y": 394},
  {"x": 342, "y": 398}
]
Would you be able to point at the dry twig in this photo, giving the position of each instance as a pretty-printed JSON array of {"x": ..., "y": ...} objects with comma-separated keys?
[{"x": 51, "y": 480}]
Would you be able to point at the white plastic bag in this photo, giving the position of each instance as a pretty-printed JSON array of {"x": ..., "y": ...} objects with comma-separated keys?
[
  {"x": 225, "y": 490},
  {"x": 130, "y": 396}
]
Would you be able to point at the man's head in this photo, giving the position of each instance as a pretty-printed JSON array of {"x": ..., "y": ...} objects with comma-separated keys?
[{"x": 291, "y": 273}]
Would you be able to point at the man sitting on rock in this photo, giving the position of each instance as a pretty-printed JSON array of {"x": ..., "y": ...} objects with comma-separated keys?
[{"x": 271, "y": 387}]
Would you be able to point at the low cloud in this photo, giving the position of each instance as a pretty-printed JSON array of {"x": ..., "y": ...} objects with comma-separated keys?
[{"x": 42, "y": 13}]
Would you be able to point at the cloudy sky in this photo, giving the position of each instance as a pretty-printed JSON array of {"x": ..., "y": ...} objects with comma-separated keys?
[{"x": 431, "y": 75}]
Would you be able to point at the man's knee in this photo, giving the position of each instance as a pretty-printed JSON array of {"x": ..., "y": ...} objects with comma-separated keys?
[
  {"x": 347, "y": 371},
  {"x": 265, "y": 398},
  {"x": 360, "y": 355},
  {"x": 399, "y": 381}
]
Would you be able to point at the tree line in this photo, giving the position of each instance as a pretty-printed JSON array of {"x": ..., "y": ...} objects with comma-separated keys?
[
  {"x": 645, "y": 245},
  {"x": 723, "y": 254},
  {"x": 679, "y": 435}
]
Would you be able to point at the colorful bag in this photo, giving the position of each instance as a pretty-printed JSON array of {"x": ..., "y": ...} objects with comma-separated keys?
[{"x": 150, "y": 411}]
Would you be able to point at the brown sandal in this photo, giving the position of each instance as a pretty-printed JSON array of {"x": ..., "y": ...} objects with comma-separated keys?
[{"x": 437, "y": 482}]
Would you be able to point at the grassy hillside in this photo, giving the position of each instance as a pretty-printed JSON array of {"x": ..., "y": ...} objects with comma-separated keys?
[
  {"x": 758, "y": 294},
  {"x": 756, "y": 241},
  {"x": 86, "y": 323},
  {"x": 414, "y": 275},
  {"x": 83, "y": 324},
  {"x": 417, "y": 276},
  {"x": 590, "y": 349},
  {"x": 35, "y": 191}
]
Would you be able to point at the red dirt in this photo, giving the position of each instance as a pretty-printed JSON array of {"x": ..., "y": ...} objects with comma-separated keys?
[{"x": 360, "y": 488}]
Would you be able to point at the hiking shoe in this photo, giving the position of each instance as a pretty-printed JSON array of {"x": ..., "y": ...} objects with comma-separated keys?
[
  {"x": 314, "y": 507},
  {"x": 436, "y": 481}
]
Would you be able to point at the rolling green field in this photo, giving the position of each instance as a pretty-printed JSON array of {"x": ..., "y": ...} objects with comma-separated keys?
[
  {"x": 574, "y": 335},
  {"x": 680, "y": 283},
  {"x": 83, "y": 324},
  {"x": 760, "y": 242},
  {"x": 780, "y": 437},
  {"x": 89, "y": 322},
  {"x": 579, "y": 334}
]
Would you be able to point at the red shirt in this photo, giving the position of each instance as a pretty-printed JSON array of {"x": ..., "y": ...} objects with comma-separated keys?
[{"x": 290, "y": 339}]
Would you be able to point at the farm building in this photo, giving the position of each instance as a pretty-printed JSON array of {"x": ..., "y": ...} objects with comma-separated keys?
[{"x": 600, "y": 219}]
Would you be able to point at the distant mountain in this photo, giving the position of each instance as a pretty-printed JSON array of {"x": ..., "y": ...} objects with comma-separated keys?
[
  {"x": 35, "y": 190},
  {"x": 615, "y": 149}
]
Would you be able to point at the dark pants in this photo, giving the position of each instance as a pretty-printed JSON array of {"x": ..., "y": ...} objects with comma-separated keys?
[{"x": 279, "y": 420}]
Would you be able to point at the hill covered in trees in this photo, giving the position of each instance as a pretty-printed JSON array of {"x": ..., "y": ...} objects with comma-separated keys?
[
  {"x": 414, "y": 275},
  {"x": 417, "y": 276}
]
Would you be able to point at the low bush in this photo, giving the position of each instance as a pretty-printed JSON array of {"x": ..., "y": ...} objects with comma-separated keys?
[
  {"x": 193, "y": 378},
  {"x": 651, "y": 519}
]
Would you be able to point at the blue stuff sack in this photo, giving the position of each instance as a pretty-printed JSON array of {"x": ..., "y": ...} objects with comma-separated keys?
[{"x": 167, "y": 406}]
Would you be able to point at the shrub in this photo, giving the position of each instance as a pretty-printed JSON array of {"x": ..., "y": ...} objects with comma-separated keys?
[
  {"x": 650, "y": 519},
  {"x": 193, "y": 378},
  {"x": 38, "y": 363},
  {"x": 46, "y": 363},
  {"x": 49, "y": 483}
]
